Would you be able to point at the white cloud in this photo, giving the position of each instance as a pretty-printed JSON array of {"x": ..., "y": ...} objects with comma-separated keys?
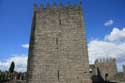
[
  {"x": 104, "y": 49},
  {"x": 20, "y": 63},
  {"x": 98, "y": 49},
  {"x": 116, "y": 35},
  {"x": 108, "y": 23},
  {"x": 25, "y": 45}
]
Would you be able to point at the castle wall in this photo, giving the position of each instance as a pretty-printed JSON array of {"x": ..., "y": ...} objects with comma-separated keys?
[
  {"x": 58, "y": 52},
  {"x": 107, "y": 66}
]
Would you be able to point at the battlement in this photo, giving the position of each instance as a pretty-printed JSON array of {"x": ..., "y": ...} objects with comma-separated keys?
[
  {"x": 105, "y": 60},
  {"x": 106, "y": 66},
  {"x": 48, "y": 6}
]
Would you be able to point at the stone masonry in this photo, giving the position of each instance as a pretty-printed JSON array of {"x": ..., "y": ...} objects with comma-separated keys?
[
  {"x": 105, "y": 69},
  {"x": 107, "y": 66},
  {"x": 58, "y": 51}
]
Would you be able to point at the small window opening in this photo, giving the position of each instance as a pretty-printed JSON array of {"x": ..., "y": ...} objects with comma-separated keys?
[
  {"x": 60, "y": 21},
  {"x": 57, "y": 43},
  {"x": 58, "y": 75}
]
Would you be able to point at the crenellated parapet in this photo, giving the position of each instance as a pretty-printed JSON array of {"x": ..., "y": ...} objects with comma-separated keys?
[
  {"x": 107, "y": 66},
  {"x": 41, "y": 7},
  {"x": 36, "y": 9},
  {"x": 59, "y": 6},
  {"x": 105, "y": 60}
]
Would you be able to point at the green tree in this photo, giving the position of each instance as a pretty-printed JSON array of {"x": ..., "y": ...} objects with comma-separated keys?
[{"x": 12, "y": 66}]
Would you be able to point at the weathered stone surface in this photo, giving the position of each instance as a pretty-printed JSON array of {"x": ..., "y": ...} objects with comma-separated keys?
[
  {"x": 107, "y": 66},
  {"x": 58, "y": 51}
]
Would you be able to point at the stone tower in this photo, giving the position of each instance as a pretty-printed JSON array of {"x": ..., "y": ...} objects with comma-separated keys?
[
  {"x": 58, "y": 51},
  {"x": 106, "y": 66}
]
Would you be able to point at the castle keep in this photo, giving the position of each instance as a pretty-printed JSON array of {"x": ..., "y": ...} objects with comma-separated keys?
[{"x": 58, "y": 51}]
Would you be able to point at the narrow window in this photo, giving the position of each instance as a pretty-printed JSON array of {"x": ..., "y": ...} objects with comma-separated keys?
[
  {"x": 57, "y": 43},
  {"x": 60, "y": 21},
  {"x": 58, "y": 75}
]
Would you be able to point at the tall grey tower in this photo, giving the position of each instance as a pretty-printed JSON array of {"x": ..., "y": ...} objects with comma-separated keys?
[{"x": 58, "y": 51}]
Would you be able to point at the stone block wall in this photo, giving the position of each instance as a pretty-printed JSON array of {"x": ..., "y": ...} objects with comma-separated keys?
[
  {"x": 106, "y": 66},
  {"x": 58, "y": 51}
]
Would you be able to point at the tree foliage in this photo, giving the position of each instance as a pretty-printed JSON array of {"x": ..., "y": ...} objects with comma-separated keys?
[{"x": 12, "y": 66}]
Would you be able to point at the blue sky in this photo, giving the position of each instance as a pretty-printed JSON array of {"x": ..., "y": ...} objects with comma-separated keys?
[{"x": 104, "y": 22}]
